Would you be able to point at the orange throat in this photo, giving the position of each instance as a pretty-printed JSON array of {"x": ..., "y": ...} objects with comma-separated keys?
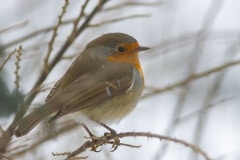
[{"x": 131, "y": 58}]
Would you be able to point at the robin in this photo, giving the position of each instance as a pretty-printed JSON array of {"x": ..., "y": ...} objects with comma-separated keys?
[{"x": 103, "y": 83}]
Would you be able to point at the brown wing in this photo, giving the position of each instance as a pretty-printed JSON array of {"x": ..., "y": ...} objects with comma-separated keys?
[
  {"x": 78, "y": 68},
  {"x": 92, "y": 88},
  {"x": 53, "y": 90}
]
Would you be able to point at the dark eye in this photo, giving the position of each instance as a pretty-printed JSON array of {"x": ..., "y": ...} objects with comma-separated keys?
[{"x": 120, "y": 49}]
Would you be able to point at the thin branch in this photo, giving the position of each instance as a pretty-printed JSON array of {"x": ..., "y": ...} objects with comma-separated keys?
[
  {"x": 33, "y": 34},
  {"x": 67, "y": 154},
  {"x": 7, "y": 59},
  {"x": 78, "y": 19},
  {"x": 15, "y": 26},
  {"x": 54, "y": 35},
  {"x": 126, "y": 4},
  {"x": 99, "y": 141},
  {"x": 187, "y": 39},
  {"x": 17, "y": 64},
  {"x": 192, "y": 78},
  {"x": 120, "y": 19}
]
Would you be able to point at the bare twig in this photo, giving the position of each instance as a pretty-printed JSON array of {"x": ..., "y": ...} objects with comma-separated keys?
[
  {"x": 17, "y": 64},
  {"x": 54, "y": 35},
  {"x": 133, "y": 4},
  {"x": 7, "y": 59},
  {"x": 119, "y": 19},
  {"x": 19, "y": 25},
  {"x": 184, "y": 40},
  {"x": 192, "y": 78},
  {"x": 33, "y": 34},
  {"x": 67, "y": 154},
  {"x": 78, "y": 19},
  {"x": 102, "y": 140}
]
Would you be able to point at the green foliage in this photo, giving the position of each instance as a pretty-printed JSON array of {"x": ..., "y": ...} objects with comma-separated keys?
[{"x": 9, "y": 102}]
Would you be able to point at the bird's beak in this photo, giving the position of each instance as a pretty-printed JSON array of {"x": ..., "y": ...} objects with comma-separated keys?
[{"x": 143, "y": 48}]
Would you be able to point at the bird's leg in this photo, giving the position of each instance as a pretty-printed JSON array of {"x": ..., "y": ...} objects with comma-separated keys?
[
  {"x": 93, "y": 138},
  {"x": 112, "y": 132},
  {"x": 105, "y": 139},
  {"x": 116, "y": 141}
]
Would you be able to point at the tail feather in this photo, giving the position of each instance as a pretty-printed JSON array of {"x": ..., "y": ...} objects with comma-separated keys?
[{"x": 26, "y": 124}]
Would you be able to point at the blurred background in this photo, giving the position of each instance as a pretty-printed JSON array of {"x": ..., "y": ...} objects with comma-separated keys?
[{"x": 192, "y": 78}]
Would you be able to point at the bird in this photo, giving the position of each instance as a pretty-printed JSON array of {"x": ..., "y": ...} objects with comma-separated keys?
[{"x": 103, "y": 83}]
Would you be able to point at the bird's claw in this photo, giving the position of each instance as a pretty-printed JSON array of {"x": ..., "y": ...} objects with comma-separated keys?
[
  {"x": 115, "y": 142},
  {"x": 108, "y": 138}
]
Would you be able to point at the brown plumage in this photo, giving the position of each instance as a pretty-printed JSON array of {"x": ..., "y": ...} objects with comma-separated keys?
[{"x": 104, "y": 83}]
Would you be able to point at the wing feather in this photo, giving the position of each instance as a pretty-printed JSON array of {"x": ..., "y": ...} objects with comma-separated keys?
[{"x": 94, "y": 87}]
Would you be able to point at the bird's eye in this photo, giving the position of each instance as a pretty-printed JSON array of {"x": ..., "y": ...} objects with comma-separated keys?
[{"x": 120, "y": 49}]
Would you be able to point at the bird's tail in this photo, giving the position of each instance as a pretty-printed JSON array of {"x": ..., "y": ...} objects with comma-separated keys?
[{"x": 27, "y": 123}]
